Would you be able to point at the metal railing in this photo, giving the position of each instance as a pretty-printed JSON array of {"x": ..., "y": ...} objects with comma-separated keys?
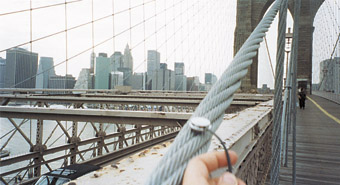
[{"x": 328, "y": 95}]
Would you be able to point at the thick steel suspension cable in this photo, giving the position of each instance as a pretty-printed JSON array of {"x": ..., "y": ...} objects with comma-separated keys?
[{"x": 187, "y": 144}]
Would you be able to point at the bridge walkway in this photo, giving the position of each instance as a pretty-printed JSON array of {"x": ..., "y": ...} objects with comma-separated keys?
[{"x": 317, "y": 145}]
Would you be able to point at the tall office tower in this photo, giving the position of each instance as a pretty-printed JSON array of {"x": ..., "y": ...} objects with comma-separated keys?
[
  {"x": 180, "y": 83},
  {"x": 153, "y": 64},
  {"x": 2, "y": 72},
  {"x": 84, "y": 80},
  {"x": 179, "y": 68},
  {"x": 61, "y": 82},
  {"x": 92, "y": 60},
  {"x": 21, "y": 68},
  {"x": 330, "y": 75},
  {"x": 102, "y": 72},
  {"x": 210, "y": 78},
  {"x": 137, "y": 81},
  {"x": 116, "y": 79},
  {"x": 172, "y": 80},
  {"x": 116, "y": 60},
  {"x": 193, "y": 83},
  {"x": 128, "y": 60},
  {"x": 163, "y": 79},
  {"x": 45, "y": 71}
]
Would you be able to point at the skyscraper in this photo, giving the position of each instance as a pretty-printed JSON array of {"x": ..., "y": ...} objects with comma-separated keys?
[
  {"x": 84, "y": 80},
  {"x": 180, "y": 78},
  {"x": 92, "y": 60},
  {"x": 116, "y": 79},
  {"x": 163, "y": 79},
  {"x": 179, "y": 68},
  {"x": 153, "y": 64},
  {"x": 45, "y": 71},
  {"x": 116, "y": 60},
  {"x": 180, "y": 83},
  {"x": 128, "y": 60},
  {"x": 210, "y": 78},
  {"x": 21, "y": 68},
  {"x": 102, "y": 72},
  {"x": 61, "y": 82},
  {"x": 2, "y": 72},
  {"x": 330, "y": 75},
  {"x": 137, "y": 81}
]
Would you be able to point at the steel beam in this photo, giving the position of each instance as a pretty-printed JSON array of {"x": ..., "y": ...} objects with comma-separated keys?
[
  {"x": 130, "y": 100},
  {"x": 96, "y": 115}
]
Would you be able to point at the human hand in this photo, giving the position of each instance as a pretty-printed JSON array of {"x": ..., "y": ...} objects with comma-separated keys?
[{"x": 200, "y": 167}]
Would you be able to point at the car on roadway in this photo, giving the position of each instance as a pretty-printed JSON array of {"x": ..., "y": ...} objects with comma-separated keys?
[{"x": 65, "y": 174}]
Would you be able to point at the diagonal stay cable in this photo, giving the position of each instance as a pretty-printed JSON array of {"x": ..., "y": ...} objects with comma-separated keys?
[
  {"x": 187, "y": 144},
  {"x": 37, "y": 8}
]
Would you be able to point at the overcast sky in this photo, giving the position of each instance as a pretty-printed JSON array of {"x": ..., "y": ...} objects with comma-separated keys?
[{"x": 196, "y": 32}]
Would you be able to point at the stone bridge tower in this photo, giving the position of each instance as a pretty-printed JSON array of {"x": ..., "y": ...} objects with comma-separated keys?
[{"x": 249, "y": 14}]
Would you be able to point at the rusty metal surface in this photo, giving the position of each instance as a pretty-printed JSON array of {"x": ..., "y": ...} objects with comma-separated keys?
[{"x": 318, "y": 146}]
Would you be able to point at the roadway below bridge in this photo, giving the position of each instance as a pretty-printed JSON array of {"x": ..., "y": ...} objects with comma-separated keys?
[{"x": 317, "y": 144}]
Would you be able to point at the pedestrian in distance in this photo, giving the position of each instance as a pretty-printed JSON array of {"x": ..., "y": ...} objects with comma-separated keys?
[{"x": 302, "y": 98}]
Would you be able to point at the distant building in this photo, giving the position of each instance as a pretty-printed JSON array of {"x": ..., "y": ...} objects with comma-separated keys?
[
  {"x": 21, "y": 68},
  {"x": 330, "y": 75},
  {"x": 264, "y": 90},
  {"x": 179, "y": 68},
  {"x": 62, "y": 82},
  {"x": 153, "y": 64},
  {"x": 172, "y": 80},
  {"x": 163, "y": 79},
  {"x": 2, "y": 72},
  {"x": 102, "y": 55},
  {"x": 116, "y": 60},
  {"x": 137, "y": 81},
  {"x": 116, "y": 79},
  {"x": 92, "y": 62},
  {"x": 127, "y": 74},
  {"x": 210, "y": 78},
  {"x": 102, "y": 72},
  {"x": 45, "y": 71},
  {"x": 193, "y": 83},
  {"x": 84, "y": 80},
  {"x": 128, "y": 60},
  {"x": 180, "y": 83}
]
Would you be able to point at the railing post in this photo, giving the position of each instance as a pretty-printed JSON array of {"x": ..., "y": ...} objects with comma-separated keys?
[
  {"x": 100, "y": 143},
  {"x": 121, "y": 138},
  {"x": 74, "y": 139},
  {"x": 138, "y": 133},
  {"x": 38, "y": 147}
]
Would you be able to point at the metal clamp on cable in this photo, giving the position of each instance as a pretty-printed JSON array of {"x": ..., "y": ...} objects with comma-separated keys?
[{"x": 200, "y": 125}]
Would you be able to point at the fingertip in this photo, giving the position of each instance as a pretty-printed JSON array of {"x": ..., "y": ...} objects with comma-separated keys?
[
  {"x": 240, "y": 182},
  {"x": 227, "y": 179},
  {"x": 233, "y": 157}
]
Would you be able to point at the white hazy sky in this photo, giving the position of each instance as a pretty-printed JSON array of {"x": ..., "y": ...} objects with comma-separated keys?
[{"x": 198, "y": 33}]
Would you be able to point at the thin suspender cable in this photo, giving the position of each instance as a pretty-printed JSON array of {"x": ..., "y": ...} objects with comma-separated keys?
[
  {"x": 270, "y": 60},
  {"x": 145, "y": 59},
  {"x": 297, "y": 6},
  {"x": 37, "y": 8},
  {"x": 66, "y": 46},
  {"x": 277, "y": 129}
]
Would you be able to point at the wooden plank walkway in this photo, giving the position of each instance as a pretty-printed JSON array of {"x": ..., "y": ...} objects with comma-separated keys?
[{"x": 318, "y": 146}]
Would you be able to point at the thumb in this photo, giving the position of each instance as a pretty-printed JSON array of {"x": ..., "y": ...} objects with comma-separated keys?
[{"x": 227, "y": 179}]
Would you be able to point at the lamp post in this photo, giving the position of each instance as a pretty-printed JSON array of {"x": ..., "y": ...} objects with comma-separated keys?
[{"x": 289, "y": 36}]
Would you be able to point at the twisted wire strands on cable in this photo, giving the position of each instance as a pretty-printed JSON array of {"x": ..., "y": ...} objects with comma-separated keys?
[{"x": 188, "y": 144}]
